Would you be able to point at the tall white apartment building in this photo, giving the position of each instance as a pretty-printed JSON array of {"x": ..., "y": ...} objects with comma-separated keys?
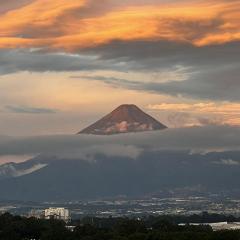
[{"x": 57, "y": 213}]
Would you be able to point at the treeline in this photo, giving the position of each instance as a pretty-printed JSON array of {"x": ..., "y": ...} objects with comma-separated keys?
[
  {"x": 152, "y": 228},
  {"x": 149, "y": 221}
]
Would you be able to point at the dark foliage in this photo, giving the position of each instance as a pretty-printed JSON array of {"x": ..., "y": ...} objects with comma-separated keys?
[{"x": 150, "y": 228}]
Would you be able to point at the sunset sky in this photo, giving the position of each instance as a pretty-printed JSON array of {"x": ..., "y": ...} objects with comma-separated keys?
[{"x": 66, "y": 63}]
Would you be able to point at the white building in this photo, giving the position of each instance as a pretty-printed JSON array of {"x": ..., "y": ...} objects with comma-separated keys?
[
  {"x": 218, "y": 226},
  {"x": 57, "y": 213},
  {"x": 36, "y": 213}
]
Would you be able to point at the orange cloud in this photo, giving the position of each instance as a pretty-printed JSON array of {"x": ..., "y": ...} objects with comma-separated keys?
[
  {"x": 220, "y": 113},
  {"x": 210, "y": 107},
  {"x": 65, "y": 24}
]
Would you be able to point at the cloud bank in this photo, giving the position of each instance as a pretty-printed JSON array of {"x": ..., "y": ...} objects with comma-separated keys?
[{"x": 199, "y": 139}]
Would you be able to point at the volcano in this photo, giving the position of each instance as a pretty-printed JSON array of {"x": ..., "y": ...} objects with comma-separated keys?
[{"x": 124, "y": 119}]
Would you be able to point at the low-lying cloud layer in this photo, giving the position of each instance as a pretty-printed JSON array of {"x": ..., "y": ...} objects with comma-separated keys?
[{"x": 205, "y": 139}]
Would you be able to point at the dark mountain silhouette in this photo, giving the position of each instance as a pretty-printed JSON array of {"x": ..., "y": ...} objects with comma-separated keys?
[
  {"x": 124, "y": 119},
  {"x": 152, "y": 172}
]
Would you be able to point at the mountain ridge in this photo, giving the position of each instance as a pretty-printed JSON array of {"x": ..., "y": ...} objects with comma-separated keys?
[
  {"x": 111, "y": 176},
  {"x": 124, "y": 119}
]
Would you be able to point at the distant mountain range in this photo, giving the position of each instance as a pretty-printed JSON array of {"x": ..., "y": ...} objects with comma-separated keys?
[
  {"x": 103, "y": 172},
  {"x": 124, "y": 119},
  {"x": 54, "y": 179}
]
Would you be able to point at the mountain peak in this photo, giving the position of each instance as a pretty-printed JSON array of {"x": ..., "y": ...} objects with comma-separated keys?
[{"x": 125, "y": 118}]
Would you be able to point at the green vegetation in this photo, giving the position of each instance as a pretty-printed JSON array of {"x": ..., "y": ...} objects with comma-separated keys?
[{"x": 151, "y": 228}]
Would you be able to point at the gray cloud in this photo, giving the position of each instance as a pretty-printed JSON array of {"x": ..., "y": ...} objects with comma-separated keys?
[
  {"x": 37, "y": 60},
  {"x": 124, "y": 56},
  {"x": 216, "y": 84},
  {"x": 221, "y": 83},
  {"x": 164, "y": 54},
  {"x": 211, "y": 72},
  {"x": 204, "y": 139},
  {"x": 13, "y": 4},
  {"x": 29, "y": 110}
]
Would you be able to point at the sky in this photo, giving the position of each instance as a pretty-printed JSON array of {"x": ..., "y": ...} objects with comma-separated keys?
[{"x": 66, "y": 63}]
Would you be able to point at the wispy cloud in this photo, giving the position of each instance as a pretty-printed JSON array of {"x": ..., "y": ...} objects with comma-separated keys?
[
  {"x": 201, "y": 113},
  {"x": 204, "y": 107},
  {"x": 29, "y": 110},
  {"x": 228, "y": 162},
  {"x": 34, "y": 60},
  {"x": 200, "y": 23}
]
